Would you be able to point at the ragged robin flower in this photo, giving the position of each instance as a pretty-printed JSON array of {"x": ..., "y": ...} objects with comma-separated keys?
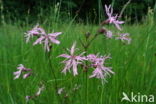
[
  {"x": 36, "y": 31},
  {"x": 111, "y": 18},
  {"x": 72, "y": 61},
  {"x": 98, "y": 63},
  {"x": 22, "y": 69},
  {"x": 47, "y": 40},
  {"x": 124, "y": 37}
]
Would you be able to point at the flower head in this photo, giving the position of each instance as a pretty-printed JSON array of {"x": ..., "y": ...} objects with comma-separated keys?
[
  {"x": 28, "y": 98},
  {"x": 112, "y": 19},
  {"x": 106, "y": 32},
  {"x": 22, "y": 69},
  {"x": 60, "y": 91},
  {"x": 72, "y": 60},
  {"x": 100, "y": 70},
  {"x": 124, "y": 37},
  {"x": 36, "y": 31},
  {"x": 109, "y": 34},
  {"x": 47, "y": 39},
  {"x": 40, "y": 89}
]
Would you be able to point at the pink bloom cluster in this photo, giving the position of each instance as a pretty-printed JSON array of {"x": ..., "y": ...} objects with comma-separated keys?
[
  {"x": 100, "y": 70},
  {"x": 72, "y": 61},
  {"x": 43, "y": 37},
  {"x": 114, "y": 20},
  {"x": 22, "y": 69},
  {"x": 124, "y": 37},
  {"x": 47, "y": 39},
  {"x": 109, "y": 34},
  {"x": 36, "y": 31}
]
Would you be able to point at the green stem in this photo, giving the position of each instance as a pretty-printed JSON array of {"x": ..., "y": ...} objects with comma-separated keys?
[
  {"x": 53, "y": 73},
  {"x": 86, "y": 77}
]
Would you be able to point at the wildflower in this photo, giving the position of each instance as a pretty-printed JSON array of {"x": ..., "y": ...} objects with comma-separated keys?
[
  {"x": 60, "y": 90},
  {"x": 109, "y": 34},
  {"x": 40, "y": 89},
  {"x": 72, "y": 61},
  {"x": 106, "y": 32},
  {"x": 28, "y": 98},
  {"x": 112, "y": 19},
  {"x": 124, "y": 37},
  {"x": 92, "y": 58},
  {"x": 26, "y": 75},
  {"x": 100, "y": 70},
  {"x": 36, "y": 31},
  {"x": 21, "y": 69},
  {"x": 47, "y": 39}
]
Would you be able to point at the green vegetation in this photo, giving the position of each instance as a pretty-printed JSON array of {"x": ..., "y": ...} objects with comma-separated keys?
[
  {"x": 85, "y": 9},
  {"x": 133, "y": 64}
]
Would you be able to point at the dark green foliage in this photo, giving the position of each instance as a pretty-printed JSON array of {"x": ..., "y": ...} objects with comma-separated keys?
[{"x": 86, "y": 9}]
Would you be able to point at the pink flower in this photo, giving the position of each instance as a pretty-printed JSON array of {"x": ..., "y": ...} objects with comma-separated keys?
[
  {"x": 47, "y": 39},
  {"x": 124, "y": 37},
  {"x": 109, "y": 34},
  {"x": 22, "y": 69},
  {"x": 100, "y": 70},
  {"x": 72, "y": 61},
  {"x": 26, "y": 75},
  {"x": 106, "y": 32},
  {"x": 112, "y": 19},
  {"x": 36, "y": 31},
  {"x": 40, "y": 89},
  {"x": 92, "y": 58}
]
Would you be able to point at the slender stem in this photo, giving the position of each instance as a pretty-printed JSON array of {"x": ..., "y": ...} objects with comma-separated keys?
[
  {"x": 89, "y": 43},
  {"x": 53, "y": 72},
  {"x": 86, "y": 75},
  {"x": 51, "y": 67},
  {"x": 86, "y": 82},
  {"x": 124, "y": 7},
  {"x": 86, "y": 47}
]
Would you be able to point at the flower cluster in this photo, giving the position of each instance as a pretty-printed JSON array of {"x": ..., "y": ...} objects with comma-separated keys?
[
  {"x": 124, "y": 37},
  {"x": 47, "y": 39},
  {"x": 98, "y": 62},
  {"x": 22, "y": 69},
  {"x": 72, "y": 61},
  {"x": 36, "y": 31},
  {"x": 43, "y": 37},
  {"x": 113, "y": 19}
]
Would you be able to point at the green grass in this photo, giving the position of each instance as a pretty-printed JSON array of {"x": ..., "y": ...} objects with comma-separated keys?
[{"x": 134, "y": 65}]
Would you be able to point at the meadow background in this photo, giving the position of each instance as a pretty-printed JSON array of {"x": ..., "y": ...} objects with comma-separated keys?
[{"x": 134, "y": 65}]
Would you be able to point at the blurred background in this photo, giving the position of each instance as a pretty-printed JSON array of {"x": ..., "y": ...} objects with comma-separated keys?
[{"x": 85, "y": 11}]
